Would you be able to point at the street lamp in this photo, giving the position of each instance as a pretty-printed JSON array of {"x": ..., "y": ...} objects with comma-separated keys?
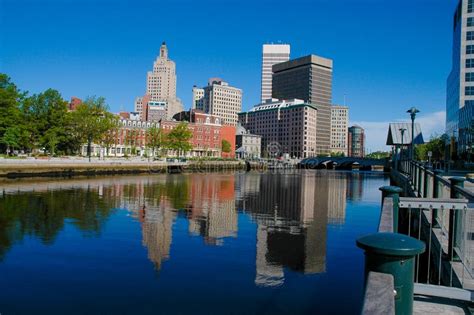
[{"x": 412, "y": 111}]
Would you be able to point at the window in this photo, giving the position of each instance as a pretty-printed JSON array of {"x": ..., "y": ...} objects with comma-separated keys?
[
  {"x": 469, "y": 76},
  {"x": 469, "y": 90},
  {"x": 470, "y": 49},
  {"x": 469, "y": 63},
  {"x": 470, "y": 6},
  {"x": 470, "y": 35},
  {"x": 470, "y": 21}
]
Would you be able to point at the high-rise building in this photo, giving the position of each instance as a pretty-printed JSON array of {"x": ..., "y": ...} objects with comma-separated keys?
[
  {"x": 286, "y": 127},
  {"x": 310, "y": 79},
  {"x": 339, "y": 125},
  {"x": 271, "y": 54},
  {"x": 460, "y": 83},
  {"x": 161, "y": 81},
  {"x": 220, "y": 99},
  {"x": 356, "y": 138},
  {"x": 161, "y": 86}
]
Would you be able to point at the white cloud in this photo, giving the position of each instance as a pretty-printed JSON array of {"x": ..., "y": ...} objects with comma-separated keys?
[{"x": 376, "y": 132}]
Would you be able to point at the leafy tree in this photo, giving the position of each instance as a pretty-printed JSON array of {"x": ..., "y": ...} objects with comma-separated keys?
[
  {"x": 226, "y": 147},
  {"x": 378, "y": 155},
  {"x": 155, "y": 139},
  {"x": 48, "y": 121},
  {"x": 10, "y": 114},
  {"x": 92, "y": 121},
  {"x": 110, "y": 137},
  {"x": 12, "y": 138},
  {"x": 337, "y": 154},
  {"x": 436, "y": 145},
  {"x": 178, "y": 138}
]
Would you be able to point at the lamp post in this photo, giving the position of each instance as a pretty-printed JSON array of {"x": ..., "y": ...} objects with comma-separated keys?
[{"x": 412, "y": 111}]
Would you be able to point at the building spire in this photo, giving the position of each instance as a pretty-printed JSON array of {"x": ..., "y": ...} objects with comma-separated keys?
[{"x": 163, "y": 51}]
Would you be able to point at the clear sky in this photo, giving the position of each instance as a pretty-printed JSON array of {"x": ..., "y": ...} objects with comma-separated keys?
[{"x": 388, "y": 55}]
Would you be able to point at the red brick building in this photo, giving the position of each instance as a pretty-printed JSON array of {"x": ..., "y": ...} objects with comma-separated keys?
[{"x": 74, "y": 103}]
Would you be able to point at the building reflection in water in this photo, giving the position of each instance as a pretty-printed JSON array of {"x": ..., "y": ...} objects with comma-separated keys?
[
  {"x": 355, "y": 186},
  {"x": 291, "y": 210}
]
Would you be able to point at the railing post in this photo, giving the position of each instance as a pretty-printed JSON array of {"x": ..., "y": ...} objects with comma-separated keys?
[
  {"x": 394, "y": 193},
  {"x": 425, "y": 182},
  {"x": 453, "y": 217},
  {"x": 434, "y": 214},
  {"x": 418, "y": 188},
  {"x": 394, "y": 254}
]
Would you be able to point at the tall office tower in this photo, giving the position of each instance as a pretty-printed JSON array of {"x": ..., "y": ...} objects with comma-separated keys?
[
  {"x": 198, "y": 98},
  {"x": 356, "y": 141},
  {"x": 161, "y": 86},
  {"x": 460, "y": 83},
  {"x": 310, "y": 79},
  {"x": 161, "y": 81},
  {"x": 271, "y": 54},
  {"x": 339, "y": 125},
  {"x": 222, "y": 100}
]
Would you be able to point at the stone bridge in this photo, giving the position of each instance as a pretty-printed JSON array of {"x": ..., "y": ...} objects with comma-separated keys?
[{"x": 343, "y": 163}]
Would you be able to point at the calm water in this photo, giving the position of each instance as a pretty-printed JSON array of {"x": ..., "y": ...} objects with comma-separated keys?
[{"x": 233, "y": 243}]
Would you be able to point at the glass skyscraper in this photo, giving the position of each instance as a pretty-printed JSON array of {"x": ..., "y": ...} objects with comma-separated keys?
[{"x": 460, "y": 83}]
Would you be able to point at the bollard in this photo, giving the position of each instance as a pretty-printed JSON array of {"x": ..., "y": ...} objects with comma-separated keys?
[
  {"x": 454, "y": 217},
  {"x": 394, "y": 254},
  {"x": 394, "y": 192},
  {"x": 425, "y": 182},
  {"x": 434, "y": 214}
]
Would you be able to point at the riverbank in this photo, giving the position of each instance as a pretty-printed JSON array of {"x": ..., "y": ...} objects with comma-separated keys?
[{"x": 82, "y": 167}]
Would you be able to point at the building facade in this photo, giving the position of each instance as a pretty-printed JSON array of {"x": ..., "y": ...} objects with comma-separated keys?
[
  {"x": 220, "y": 99},
  {"x": 460, "y": 82},
  {"x": 339, "y": 126},
  {"x": 247, "y": 145},
  {"x": 356, "y": 137},
  {"x": 308, "y": 78},
  {"x": 286, "y": 127},
  {"x": 74, "y": 103},
  {"x": 271, "y": 54},
  {"x": 208, "y": 133}
]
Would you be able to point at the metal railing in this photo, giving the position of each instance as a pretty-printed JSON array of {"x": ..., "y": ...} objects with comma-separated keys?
[{"x": 443, "y": 217}]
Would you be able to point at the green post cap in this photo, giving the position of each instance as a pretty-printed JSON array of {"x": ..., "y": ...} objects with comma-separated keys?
[
  {"x": 391, "y": 189},
  {"x": 456, "y": 180},
  {"x": 391, "y": 244}
]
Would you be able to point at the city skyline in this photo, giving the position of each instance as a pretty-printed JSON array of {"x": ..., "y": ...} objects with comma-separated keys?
[{"x": 117, "y": 56}]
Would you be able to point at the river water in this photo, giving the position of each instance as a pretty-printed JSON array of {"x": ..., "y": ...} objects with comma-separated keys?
[{"x": 199, "y": 243}]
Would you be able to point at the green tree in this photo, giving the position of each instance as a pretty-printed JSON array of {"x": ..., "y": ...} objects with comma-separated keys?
[
  {"x": 48, "y": 121},
  {"x": 178, "y": 139},
  {"x": 92, "y": 121},
  {"x": 10, "y": 114},
  {"x": 110, "y": 137},
  {"x": 226, "y": 147},
  {"x": 337, "y": 154},
  {"x": 378, "y": 155},
  {"x": 436, "y": 146},
  {"x": 155, "y": 139}
]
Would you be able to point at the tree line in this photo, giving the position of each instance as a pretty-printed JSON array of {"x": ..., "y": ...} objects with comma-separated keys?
[{"x": 42, "y": 123}]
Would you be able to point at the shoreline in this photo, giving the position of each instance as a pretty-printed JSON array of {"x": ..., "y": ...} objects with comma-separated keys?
[{"x": 71, "y": 168}]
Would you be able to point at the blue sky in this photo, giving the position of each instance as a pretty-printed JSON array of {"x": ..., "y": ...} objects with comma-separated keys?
[{"x": 388, "y": 55}]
